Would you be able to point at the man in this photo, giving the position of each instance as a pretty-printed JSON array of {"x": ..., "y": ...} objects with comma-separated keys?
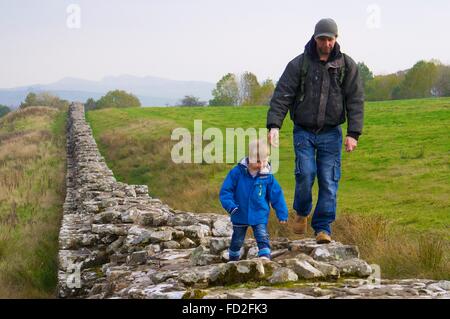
[{"x": 319, "y": 88}]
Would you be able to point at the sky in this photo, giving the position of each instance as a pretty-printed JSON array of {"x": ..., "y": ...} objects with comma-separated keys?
[{"x": 46, "y": 40}]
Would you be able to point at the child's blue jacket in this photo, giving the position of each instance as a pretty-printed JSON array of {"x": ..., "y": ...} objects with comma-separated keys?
[{"x": 246, "y": 198}]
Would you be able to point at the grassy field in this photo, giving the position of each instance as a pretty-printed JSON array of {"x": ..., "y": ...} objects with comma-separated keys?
[
  {"x": 32, "y": 169},
  {"x": 394, "y": 191}
]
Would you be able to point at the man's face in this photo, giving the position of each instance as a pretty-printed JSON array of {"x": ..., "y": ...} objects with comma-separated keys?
[{"x": 325, "y": 45}]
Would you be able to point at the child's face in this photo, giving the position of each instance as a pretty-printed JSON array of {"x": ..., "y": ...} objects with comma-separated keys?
[{"x": 258, "y": 165}]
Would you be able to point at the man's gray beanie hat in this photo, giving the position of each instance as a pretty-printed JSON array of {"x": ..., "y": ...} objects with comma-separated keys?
[{"x": 326, "y": 28}]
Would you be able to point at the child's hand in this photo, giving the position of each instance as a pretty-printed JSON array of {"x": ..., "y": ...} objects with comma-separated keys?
[{"x": 283, "y": 221}]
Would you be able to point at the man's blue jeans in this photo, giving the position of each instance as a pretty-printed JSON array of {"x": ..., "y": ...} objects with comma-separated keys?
[
  {"x": 238, "y": 237},
  {"x": 317, "y": 154}
]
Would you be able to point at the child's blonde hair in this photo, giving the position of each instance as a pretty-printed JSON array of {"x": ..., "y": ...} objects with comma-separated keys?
[{"x": 258, "y": 150}]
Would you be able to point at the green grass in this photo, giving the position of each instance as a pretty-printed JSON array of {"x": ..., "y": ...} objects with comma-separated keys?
[
  {"x": 398, "y": 179},
  {"x": 32, "y": 169}
]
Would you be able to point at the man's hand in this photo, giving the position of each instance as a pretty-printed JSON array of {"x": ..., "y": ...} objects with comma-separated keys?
[
  {"x": 273, "y": 136},
  {"x": 283, "y": 221},
  {"x": 350, "y": 144}
]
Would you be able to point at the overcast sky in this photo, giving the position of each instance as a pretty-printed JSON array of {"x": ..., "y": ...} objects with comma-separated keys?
[{"x": 42, "y": 41}]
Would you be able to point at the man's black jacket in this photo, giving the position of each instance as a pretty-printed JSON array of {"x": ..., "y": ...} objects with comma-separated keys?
[{"x": 327, "y": 101}]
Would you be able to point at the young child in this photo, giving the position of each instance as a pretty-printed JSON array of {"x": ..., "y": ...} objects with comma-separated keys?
[{"x": 246, "y": 193}]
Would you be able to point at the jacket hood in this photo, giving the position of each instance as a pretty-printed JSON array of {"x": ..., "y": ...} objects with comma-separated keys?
[
  {"x": 264, "y": 171},
  {"x": 311, "y": 50}
]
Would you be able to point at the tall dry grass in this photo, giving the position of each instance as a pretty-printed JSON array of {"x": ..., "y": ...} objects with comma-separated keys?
[
  {"x": 32, "y": 169},
  {"x": 399, "y": 252}
]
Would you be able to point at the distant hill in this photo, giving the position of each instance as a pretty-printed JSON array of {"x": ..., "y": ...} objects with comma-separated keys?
[{"x": 152, "y": 91}]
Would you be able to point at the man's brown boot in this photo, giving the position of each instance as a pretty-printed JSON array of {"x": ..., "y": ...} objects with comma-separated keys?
[
  {"x": 300, "y": 225},
  {"x": 323, "y": 238}
]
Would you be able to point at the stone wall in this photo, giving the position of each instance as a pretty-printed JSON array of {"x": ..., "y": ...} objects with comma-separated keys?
[{"x": 118, "y": 242}]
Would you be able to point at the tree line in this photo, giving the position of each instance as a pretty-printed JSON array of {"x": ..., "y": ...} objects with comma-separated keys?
[
  {"x": 424, "y": 79},
  {"x": 234, "y": 90},
  {"x": 43, "y": 99},
  {"x": 37, "y": 99},
  {"x": 116, "y": 98}
]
